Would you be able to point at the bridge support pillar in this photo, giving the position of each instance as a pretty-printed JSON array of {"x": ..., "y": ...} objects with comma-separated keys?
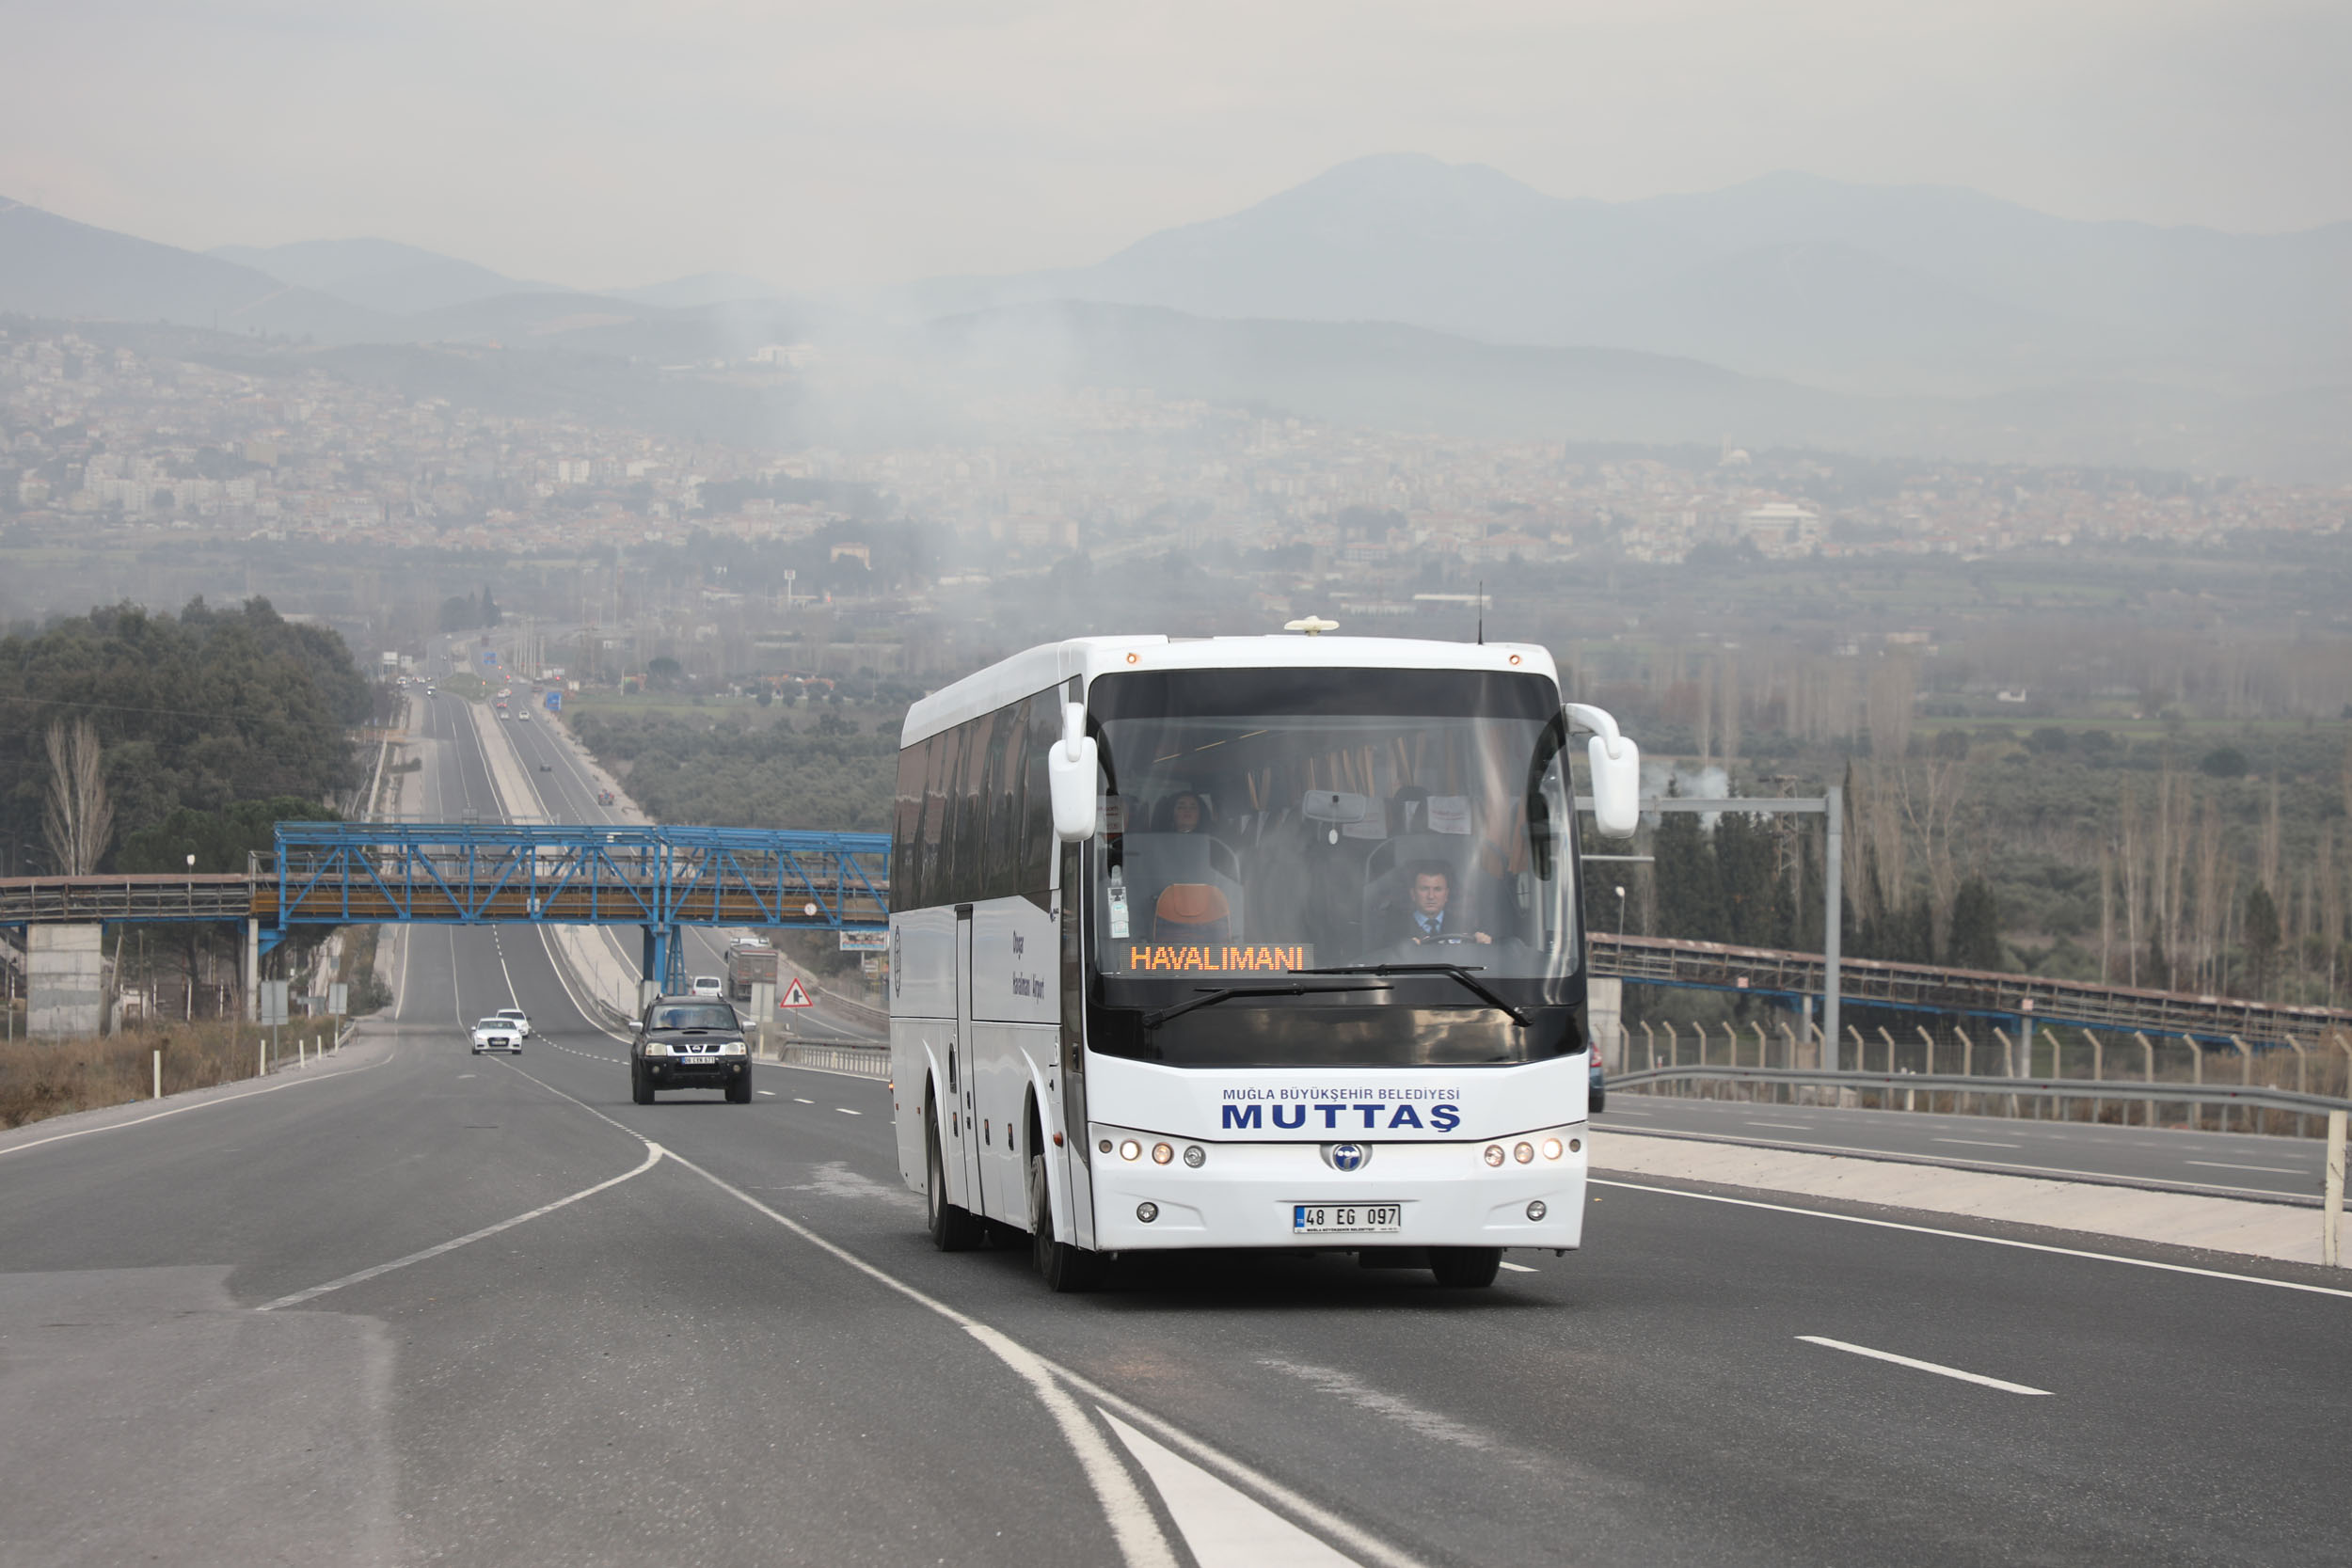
[
  {"x": 249, "y": 968},
  {"x": 664, "y": 961},
  {"x": 65, "y": 991}
]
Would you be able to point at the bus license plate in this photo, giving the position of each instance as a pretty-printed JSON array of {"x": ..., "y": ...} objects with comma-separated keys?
[{"x": 1353, "y": 1219}]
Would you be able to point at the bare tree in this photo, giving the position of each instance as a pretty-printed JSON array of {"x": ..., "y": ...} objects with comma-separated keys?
[{"x": 80, "y": 818}]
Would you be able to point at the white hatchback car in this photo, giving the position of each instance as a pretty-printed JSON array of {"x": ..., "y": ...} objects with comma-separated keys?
[
  {"x": 708, "y": 985},
  {"x": 520, "y": 1019}
]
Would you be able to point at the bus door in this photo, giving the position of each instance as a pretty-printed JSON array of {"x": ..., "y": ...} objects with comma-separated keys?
[{"x": 967, "y": 1076}]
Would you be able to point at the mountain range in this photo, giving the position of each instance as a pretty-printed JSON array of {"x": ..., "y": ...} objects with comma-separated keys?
[{"x": 1400, "y": 289}]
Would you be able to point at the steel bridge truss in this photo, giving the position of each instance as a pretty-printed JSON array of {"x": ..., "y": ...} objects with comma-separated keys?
[{"x": 661, "y": 878}]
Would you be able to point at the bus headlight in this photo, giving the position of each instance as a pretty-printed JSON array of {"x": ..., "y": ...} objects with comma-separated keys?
[
  {"x": 1523, "y": 1153},
  {"x": 1162, "y": 1154},
  {"x": 1146, "y": 1213},
  {"x": 1537, "y": 1211},
  {"x": 1196, "y": 1156},
  {"x": 1131, "y": 1150},
  {"x": 1494, "y": 1154},
  {"x": 1552, "y": 1148}
]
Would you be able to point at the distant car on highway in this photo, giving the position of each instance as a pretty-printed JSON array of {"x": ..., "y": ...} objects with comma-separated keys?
[
  {"x": 546, "y": 767},
  {"x": 519, "y": 1019},
  {"x": 523, "y": 718},
  {"x": 604, "y": 797},
  {"x": 706, "y": 985},
  {"x": 497, "y": 1033},
  {"x": 688, "y": 1042}
]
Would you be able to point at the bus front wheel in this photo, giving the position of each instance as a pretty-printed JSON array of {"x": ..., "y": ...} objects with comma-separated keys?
[
  {"x": 1062, "y": 1267},
  {"x": 1465, "y": 1267},
  {"x": 953, "y": 1228}
]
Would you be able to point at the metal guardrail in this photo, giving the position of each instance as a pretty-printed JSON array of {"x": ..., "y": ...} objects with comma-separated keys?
[
  {"x": 2254, "y": 1097},
  {"x": 1955, "y": 992},
  {"x": 859, "y": 1061}
]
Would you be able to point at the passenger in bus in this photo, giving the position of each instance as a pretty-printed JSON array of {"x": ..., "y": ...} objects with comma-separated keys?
[
  {"x": 1430, "y": 919},
  {"x": 1185, "y": 812}
]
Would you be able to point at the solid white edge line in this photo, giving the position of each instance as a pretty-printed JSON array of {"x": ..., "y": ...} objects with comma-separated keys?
[
  {"x": 1913, "y": 1362},
  {"x": 1988, "y": 1167},
  {"x": 1970, "y": 1235},
  {"x": 1133, "y": 1524},
  {"x": 391, "y": 1046},
  {"x": 1268, "y": 1489},
  {"x": 653, "y": 1156}
]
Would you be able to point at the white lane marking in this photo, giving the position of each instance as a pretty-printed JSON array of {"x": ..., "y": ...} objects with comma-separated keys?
[
  {"x": 1784, "y": 1126},
  {"x": 1937, "y": 1368},
  {"x": 1977, "y": 1143},
  {"x": 1518, "y": 1268},
  {"x": 1367, "y": 1546},
  {"x": 847, "y": 1112},
  {"x": 653, "y": 1155},
  {"x": 1988, "y": 1241},
  {"x": 1379, "y": 1401},
  {"x": 463, "y": 1076},
  {"x": 1133, "y": 1526},
  {"x": 337, "y": 1076},
  {"x": 1224, "y": 1527},
  {"x": 797, "y": 1101},
  {"x": 769, "y": 1093},
  {"x": 2224, "y": 1164}
]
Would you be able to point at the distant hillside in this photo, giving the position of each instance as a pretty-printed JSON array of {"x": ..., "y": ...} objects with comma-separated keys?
[
  {"x": 380, "y": 274},
  {"x": 703, "y": 288},
  {"x": 53, "y": 266},
  {"x": 1888, "y": 288}
]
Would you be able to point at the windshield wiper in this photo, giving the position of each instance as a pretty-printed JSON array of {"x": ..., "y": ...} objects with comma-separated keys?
[
  {"x": 1226, "y": 994},
  {"x": 1463, "y": 973}
]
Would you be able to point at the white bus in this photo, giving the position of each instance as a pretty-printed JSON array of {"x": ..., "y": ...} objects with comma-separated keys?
[{"x": 1246, "y": 942}]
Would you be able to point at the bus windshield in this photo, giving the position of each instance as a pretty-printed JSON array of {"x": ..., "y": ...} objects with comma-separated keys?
[{"x": 1254, "y": 823}]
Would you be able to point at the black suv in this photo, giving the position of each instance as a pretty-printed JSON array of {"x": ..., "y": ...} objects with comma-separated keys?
[{"x": 690, "y": 1042}]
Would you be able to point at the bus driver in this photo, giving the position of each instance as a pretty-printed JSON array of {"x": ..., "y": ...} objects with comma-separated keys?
[{"x": 1430, "y": 920}]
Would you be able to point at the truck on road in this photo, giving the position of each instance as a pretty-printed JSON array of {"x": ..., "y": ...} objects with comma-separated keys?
[{"x": 749, "y": 962}]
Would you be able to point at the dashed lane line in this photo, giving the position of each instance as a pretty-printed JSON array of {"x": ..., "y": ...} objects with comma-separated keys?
[
  {"x": 847, "y": 1112},
  {"x": 1518, "y": 1268},
  {"x": 1916, "y": 1365}
]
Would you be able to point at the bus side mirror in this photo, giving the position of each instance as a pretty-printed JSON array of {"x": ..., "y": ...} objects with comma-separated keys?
[
  {"x": 1070, "y": 769},
  {"x": 1617, "y": 787}
]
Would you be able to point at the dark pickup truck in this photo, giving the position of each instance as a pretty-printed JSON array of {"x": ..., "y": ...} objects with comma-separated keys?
[{"x": 688, "y": 1042}]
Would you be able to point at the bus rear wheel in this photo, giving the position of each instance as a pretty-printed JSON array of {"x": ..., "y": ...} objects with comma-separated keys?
[
  {"x": 1468, "y": 1268},
  {"x": 953, "y": 1228},
  {"x": 1062, "y": 1266}
]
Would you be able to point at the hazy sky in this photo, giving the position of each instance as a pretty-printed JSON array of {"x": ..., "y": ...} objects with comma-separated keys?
[{"x": 598, "y": 142}]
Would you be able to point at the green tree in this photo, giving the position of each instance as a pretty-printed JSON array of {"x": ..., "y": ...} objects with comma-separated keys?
[
  {"x": 1975, "y": 939},
  {"x": 1689, "y": 898},
  {"x": 2261, "y": 938}
]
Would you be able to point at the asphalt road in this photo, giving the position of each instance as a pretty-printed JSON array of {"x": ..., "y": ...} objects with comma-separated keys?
[
  {"x": 694, "y": 1332},
  {"x": 2240, "y": 1163},
  {"x": 566, "y": 792}
]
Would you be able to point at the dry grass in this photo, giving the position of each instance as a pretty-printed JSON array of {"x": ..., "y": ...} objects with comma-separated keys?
[{"x": 51, "y": 1078}]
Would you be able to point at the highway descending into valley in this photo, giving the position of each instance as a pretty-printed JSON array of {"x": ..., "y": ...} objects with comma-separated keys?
[{"x": 416, "y": 1307}]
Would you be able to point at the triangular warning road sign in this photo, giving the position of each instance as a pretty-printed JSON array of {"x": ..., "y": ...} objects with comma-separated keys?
[{"x": 794, "y": 995}]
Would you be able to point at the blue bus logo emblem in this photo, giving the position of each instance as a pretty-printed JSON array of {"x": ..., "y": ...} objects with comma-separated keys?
[{"x": 1346, "y": 1157}]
